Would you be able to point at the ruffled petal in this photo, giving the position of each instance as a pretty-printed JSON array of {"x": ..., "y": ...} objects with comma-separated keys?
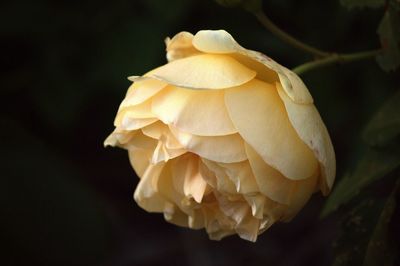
[
  {"x": 163, "y": 154},
  {"x": 225, "y": 149},
  {"x": 180, "y": 46},
  {"x": 160, "y": 131},
  {"x": 241, "y": 175},
  {"x": 223, "y": 183},
  {"x": 245, "y": 225},
  {"x": 197, "y": 112},
  {"x": 256, "y": 203},
  {"x": 168, "y": 147},
  {"x": 261, "y": 119},
  {"x": 187, "y": 177},
  {"x": 309, "y": 126},
  {"x": 205, "y": 71}
]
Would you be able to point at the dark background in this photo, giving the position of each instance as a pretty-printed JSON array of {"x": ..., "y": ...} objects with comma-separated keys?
[{"x": 66, "y": 200}]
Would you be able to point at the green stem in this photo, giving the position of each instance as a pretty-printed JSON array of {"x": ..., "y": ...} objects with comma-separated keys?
[
  {"x": 267, "y": 23},
  {"x": 335, "y": 58}
]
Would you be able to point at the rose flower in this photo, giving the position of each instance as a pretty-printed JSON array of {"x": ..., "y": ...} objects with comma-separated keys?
[{"x": 223, "y": 138}]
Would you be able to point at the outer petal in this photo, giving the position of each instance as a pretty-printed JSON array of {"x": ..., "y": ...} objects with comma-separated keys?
[
  {"x": 142, "y": 90},
  {"x": 145, "y": 195},
  {"x": 274, "y": 185},
  {"x": 260, "y": 117},
  {"x": 197, "y": 112},
  {"x": 119, "y": 138},
  {"x": 205, "y": 71},
  {"x": 135, "y": 117},
  {"x": 308, "y": 124},
  {"x": 180, "y": 46},
  {"x": 225, "y": 149},
  {"x": 222, "y": 42},
  {"x": 140, "y": 160}
]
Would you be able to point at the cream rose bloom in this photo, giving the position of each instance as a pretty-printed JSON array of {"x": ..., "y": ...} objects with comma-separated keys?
[{"x": 223, "y": 138}]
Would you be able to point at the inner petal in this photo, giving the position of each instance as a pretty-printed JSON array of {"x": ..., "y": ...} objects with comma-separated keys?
[
  {"x": 226, "y": 149},
  {"x": 187, "y": 177},
  {"x": 270, "y": 181}
]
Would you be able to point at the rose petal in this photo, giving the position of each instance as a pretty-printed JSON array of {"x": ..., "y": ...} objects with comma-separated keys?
[
  {"x": 187, "y": 177},
  {"x": 220, "y": 41},
  {"x": 261, "y": 119},
  {"x": 215, "y": 41},
  {"x": 141, "y": 91},
  {"x": 180, "y": 46},
  {"x": 174, "y": 215},
  {"x": 225, "y": 149},
  {"x": 256, "y": 202},
  {"x": 145, "y": 195},
  {"x": 163, "y": 154},
  {"x": 270, "y": 181},
  {"x": 119, "y": 138},
  {"x": 239, "y": 211},
  {"x": 160, "y": 131},
  {"x": 197, "y": 112},
  {"x": 241, "y": 175},
  {"x": 309, "y": 126},
  {"x": 140, "y": 159},
  {"x": 223, "y": 182},
  {"x": 135, "y": 117},
  {"x": 205, "y": 71}
]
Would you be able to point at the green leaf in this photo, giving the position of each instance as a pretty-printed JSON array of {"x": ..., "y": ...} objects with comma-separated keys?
[
  {"x": 362, "y": 3},
  {"x": 373, "y": 165},
  {"x": 364, "y": 238},
  {"x": 389, "y": 34},
  {"x": 384, "y": 127}
]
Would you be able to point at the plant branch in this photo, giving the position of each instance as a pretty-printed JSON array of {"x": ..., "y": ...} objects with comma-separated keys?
[
  {"x": 267, "y": 23},
  {"x": 335, "y": 58}
]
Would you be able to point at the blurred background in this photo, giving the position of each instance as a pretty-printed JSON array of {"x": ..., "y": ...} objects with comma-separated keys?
[{"x": 67, "y": 200}]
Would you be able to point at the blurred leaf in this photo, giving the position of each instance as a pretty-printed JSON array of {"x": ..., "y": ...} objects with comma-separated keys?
[
  {"x": 389, "y": 34},
  {"x": 362, "y": 3},
  {"x": 372, "y": 166},
  {"x": 379, "y": 251},
  {"x": 384, "y": 126},
  {"x": 363, "y": 229}
]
